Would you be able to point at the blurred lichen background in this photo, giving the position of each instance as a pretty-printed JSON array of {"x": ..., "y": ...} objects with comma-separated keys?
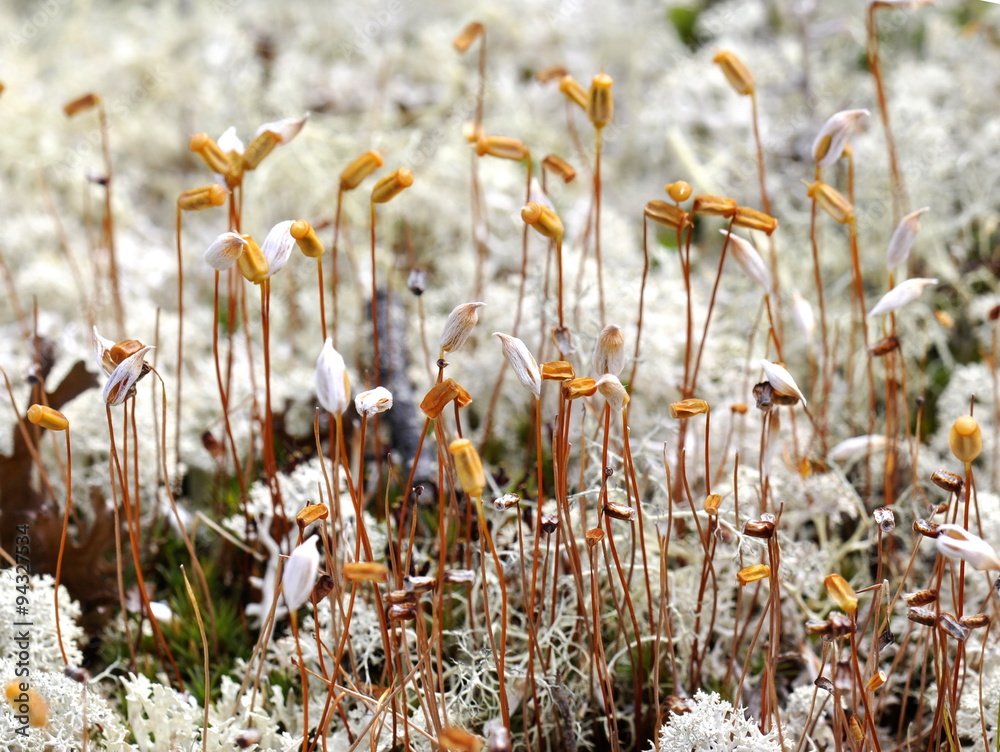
[{"x": 731, "y": 494}]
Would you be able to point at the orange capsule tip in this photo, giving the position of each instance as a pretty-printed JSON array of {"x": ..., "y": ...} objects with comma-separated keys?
[
  {"x": 438, "y": 398},
  {"x": 359, "y": 169},
  {"x": 842, "y": 593},
  {"x": 752, "y": 219},
  {"x": 688, "y": 408},
  {"x": 752, "y": 573},
  {"x": 392, "y": 185},
  {"x": 560, "y": 167},
  {"x": 259, "y": 148},
  {"x": 579, "y": 387},
  {"x": 666, "y": 214},
  {"x": 558, "y": 370},
  {"x": 46, "y": 417},
  {"x": 468, "y": 467},
  {"x": 203, "y": 197},
  {"x": 311, "y": 513},
  {"x": 82, "y": 103},
  {"x": 876, "y": 681},
  {"x": 365, "y": 571},
  {"x": 717, "y": 206},
  {"x": 306, "y": 238},
  {"x": 679, "y": 190},
  {"x": 574, "y": 91},
  {"x": 467, "y": 36},
  {"x": 455, "y": 739}
]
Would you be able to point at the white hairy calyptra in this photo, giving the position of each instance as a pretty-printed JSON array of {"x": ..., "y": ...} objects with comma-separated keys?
[
  {"x": 373, "y": 402},
  {"x": 102, "y": 352},
  {"x": 285, "y": 129},
  {"x": 902, "y": 294},
  {"x": 333, "y": 388},
  {"x": 781, "y": 380},
  {"x": 124, "y": 376},
  {"x": 833, "y": 136},
  {"x": 613, "y": 392},
  {"x": 609, "y": 353},
  {"x": 524, "y": 365},
  {"x": 277, "y": 247},
  {"x": 225, "y": 251},
  {"x": 903, "y": 238},
  {"x": 230, "y": 142},
  {"x": 956, "y": 542},
  {"x": 750, "y": 261},
  {"x": 458, "y": 326},
  {"x": 299, "y": 574},
  {"x": 803, "y": 316}
]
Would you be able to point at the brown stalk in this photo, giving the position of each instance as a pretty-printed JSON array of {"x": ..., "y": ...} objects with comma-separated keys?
[
  {"x": 180, "y": 339},
  {"x": 495, "y": 396},
  {"x": 188, "y": 544},
  {"x": 62, "y": 542},
  {"x": 607, "y": 690},
  {"x": 334, "y": 253},
  {"x": 642, "y": 298},
  {"x": 270, "y": 462},
  {"x": 204, "y": 652},
  {"x": 899, "y": 198},
  {"x": 765, "y": 202},
  {"x": 824, "y": 373},
  {"x": 132, "y": 524},
  {"x": 597, "y": 222},
  {"x": 224, "y": 399},
  {"x": 377, "y": 360},
  {"x": 499, "y": 653}
]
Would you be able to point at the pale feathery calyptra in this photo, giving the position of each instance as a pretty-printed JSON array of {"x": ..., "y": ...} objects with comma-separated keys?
[
  {"x": 225, "y": 251},
  {"x": 277, "y": 246},
  {"x": 750, "y": 261},
  {"x": 102, "y": 352},
  {"x": 285, "y": 129},
  {"x": 333, "y": 387},
  {"x": 829, "y": 143},
  {"x": 902, "y": 294},
  {"x": 856, "y": 446},
  {"x": 229, "y": 142},
  {"x": 613, "y": 392},
  {"x": 524, "y": 364},
  {"x": 609, "y": 352},
  {"x": 124, "y": 377},
  {"x": 903, "y": 238},
  {"x": 956, "y": 542},
  {"x": 803, "y": 316},
  {"x": 373, "y": 401},
  {"x": 299, "y": 574},
  {"x": 459, "y": 325},
  {"x": 781, "y": 380}
]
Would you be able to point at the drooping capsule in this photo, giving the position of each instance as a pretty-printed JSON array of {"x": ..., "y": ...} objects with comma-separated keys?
[
  {"x": 842, "y": 593},
  {"x": 752, "y": 573},
  {"x": 920, "y": 597},
  {"x": 950, "y": 482},
  {"x": 468, "y": 467},
  {"x": 47, "y": 417}
]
